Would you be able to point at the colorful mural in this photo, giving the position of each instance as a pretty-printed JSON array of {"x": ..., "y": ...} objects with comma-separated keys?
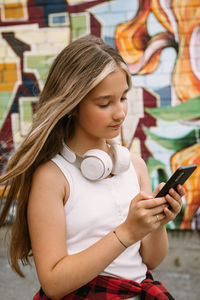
[{"x": 160, "y": 42}]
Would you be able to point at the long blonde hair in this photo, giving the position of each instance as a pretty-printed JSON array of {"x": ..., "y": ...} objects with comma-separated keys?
[{"x": 77, "y": 70}]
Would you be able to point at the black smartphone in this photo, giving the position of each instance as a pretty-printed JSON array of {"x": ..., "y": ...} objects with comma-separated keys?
[{"x": 179, "y": 177}]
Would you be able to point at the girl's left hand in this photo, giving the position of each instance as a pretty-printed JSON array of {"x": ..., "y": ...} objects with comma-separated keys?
[{"x": 174, "y": 201}]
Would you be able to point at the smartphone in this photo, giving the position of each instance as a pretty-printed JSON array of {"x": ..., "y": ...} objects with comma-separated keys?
[{"x": 179, "y": 177}]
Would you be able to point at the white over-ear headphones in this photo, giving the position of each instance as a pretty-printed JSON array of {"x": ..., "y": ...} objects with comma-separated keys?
[{"x": 96, "y": 164}]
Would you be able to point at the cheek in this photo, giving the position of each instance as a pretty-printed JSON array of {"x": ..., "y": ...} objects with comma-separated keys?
[
  {"x": 97, "y": 119},
  {"x": 93, "y": 117}
]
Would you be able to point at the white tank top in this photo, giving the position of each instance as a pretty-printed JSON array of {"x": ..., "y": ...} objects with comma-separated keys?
[{"x": 95, "y": 208}]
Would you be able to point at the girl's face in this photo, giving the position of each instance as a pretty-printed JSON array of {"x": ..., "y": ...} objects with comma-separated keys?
[{"x": 101, "y": 113}]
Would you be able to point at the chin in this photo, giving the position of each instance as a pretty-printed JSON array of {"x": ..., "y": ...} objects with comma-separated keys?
[{"x": 113, "y": 135}]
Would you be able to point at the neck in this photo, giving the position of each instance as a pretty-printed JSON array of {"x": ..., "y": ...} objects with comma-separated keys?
[{"x": 80, "y": 146}]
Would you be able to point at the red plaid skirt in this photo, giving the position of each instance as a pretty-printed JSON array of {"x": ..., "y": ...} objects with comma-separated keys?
[{"x": 107, "y": 288}]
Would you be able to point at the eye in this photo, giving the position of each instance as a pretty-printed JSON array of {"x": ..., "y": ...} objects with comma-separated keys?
[
  {"x": 104, "y": 105},
  {"x": 124, "y": 98}
]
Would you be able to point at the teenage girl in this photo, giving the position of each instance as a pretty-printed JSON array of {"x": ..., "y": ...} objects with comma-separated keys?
[{"x": 85, "y": 206}]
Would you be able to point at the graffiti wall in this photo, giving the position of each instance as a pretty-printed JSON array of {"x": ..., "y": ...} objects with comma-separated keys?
[{"x": 160, "y": 42}]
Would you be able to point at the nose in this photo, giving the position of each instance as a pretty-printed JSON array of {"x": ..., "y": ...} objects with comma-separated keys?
[{"x": 120, "y": 111}]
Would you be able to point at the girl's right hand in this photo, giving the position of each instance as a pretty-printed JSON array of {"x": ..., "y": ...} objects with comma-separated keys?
[{"x": 142, "y": 218}]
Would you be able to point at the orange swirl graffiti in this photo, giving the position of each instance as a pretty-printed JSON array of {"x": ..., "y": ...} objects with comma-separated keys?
[
  {"x": 188, "y": 18},
  {"x": 142, "y": 52},
  {"x": 190, "y": 155}
]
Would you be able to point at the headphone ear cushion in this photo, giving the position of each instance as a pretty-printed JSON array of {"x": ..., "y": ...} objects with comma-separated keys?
[
  {"x": 96, "y": 164},
  {"x": 122, "y": 159}
]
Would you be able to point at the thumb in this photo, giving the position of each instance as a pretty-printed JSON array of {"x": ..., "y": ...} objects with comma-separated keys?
[
  {"x": 143, "y": 196},
  {"x": 139, "y": 197}
]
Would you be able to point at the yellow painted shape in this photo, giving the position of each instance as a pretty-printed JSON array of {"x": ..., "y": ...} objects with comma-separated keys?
[
  {"x": 8, "y": 76},
  {"x": 1, "y": 190},
  {"x": 13, "y": 10},
  {"x": 2, "y": 186}
]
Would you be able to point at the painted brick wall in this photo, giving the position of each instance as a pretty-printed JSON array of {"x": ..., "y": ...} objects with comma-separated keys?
[{"x": 159, "y": 40}]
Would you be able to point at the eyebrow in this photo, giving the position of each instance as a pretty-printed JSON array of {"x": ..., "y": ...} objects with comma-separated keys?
[{"x": 106, "y": 97}]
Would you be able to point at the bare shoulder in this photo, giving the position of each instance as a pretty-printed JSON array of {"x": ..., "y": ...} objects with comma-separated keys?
[
  {"x": 141, "y": 171},
  {"x": 47, "y": 170},
  {"x": 49, "y": 178},
  {"x": 46, "y": 217},
  {"x": 138, "y": 163}
]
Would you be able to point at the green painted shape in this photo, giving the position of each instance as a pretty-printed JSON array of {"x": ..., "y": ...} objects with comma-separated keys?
[
  {"x": 176, "y": 143},
  {"x": 158, "y": 166},
  {"x": 184, "y": 111},
  {"x": 79, "y": 26},
  {"x": 26, "y": 107},
  {"x": 41, "y": 63},
  {"x": 155, "y": 165},
  {"x": 5, "y": 104}
]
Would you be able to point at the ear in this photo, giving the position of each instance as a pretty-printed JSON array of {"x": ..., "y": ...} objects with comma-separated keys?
[{"x": 75, "y": 111}]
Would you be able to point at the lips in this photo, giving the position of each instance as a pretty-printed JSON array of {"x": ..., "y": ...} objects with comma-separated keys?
[{"x": 116, "y": 126}]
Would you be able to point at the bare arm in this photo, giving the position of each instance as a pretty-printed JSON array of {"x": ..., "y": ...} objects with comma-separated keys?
[{"x": 58, "y": 272}]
